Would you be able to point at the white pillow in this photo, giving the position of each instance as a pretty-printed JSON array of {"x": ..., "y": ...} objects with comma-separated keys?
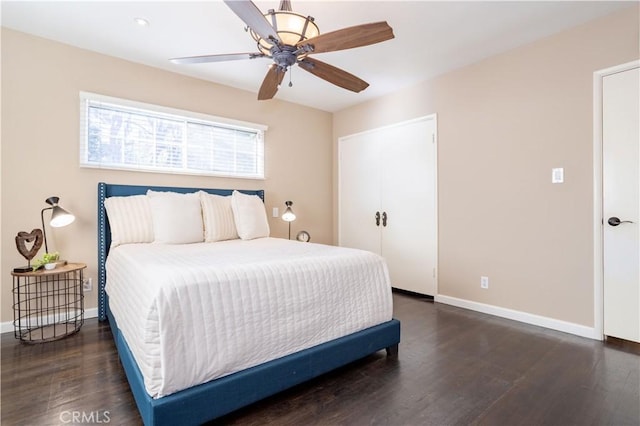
[
  {"x": 217, "y": 216},
  {"x": 250, "y": 216},
  {"x": 129, "y": 219},
  {"x": 177, "y": 218}
]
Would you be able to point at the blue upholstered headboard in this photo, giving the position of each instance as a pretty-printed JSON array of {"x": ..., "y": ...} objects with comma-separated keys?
[{"x": 105, "y": 191}]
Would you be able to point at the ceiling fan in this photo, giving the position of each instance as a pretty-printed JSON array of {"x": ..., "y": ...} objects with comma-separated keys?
[{"x": 288, "y": 38}]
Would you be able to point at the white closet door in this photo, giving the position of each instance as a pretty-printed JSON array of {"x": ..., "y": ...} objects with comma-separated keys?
[
  {"x": 408, "y": 199},
  {"x": 392, "y": 170},
  {"x": 359, "y": 192}
]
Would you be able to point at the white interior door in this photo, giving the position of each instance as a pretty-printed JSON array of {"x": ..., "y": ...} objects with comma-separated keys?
[
  {"x": 408, "y": 205},
  {"x": 621, "y": 204}
]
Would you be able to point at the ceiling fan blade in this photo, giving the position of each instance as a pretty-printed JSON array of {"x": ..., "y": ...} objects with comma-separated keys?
[
  {"x": 216, "y": 58},
  {"x": 348, "y": 38},
  {"x": 333, "y": 75},
  {"x": 271, "y": 83},
  {"x": 253, "y": 17}
]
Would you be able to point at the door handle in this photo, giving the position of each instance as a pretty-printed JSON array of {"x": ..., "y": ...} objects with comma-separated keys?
[
  {"x": 384, "y": 218},
  {"x": 614, "y": 221},
  {"x": 377, "y": 218}
]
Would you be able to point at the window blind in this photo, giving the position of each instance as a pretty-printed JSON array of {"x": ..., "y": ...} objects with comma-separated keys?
[{"x": 122, "y": 134}]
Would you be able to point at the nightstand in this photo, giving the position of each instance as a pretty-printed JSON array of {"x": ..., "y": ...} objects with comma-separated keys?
[{"x": 48, "y": 304}]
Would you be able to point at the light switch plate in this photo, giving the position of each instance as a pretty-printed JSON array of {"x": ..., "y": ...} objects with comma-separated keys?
[
  {"x": 276, "y": 212},
  {"x": 557, "y": 175}
]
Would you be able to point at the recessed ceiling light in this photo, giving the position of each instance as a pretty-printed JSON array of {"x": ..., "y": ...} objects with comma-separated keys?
[{"x": 141, "y": 21}]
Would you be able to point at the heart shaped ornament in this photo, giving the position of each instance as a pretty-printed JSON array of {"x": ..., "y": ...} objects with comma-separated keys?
[{"x": 34, "y": 237}]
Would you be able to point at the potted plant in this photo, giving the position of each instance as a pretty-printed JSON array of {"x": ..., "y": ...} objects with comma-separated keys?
[{"x": 48, "y": 261}]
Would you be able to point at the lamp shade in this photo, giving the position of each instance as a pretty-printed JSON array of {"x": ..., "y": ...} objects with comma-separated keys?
[
  {"x": 60, "y": 217},
  {"x": 290, "y": 26},
  {"x": 288, "y": 215}
]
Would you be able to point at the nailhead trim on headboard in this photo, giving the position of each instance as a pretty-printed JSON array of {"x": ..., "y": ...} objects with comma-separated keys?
[{"x": 102, "y": 251}]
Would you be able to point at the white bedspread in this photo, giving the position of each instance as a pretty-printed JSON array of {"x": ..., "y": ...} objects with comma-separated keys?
[{"x": 192, "y": 313}]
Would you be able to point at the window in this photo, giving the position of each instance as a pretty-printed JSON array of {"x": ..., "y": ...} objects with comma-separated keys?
[{"x": 121, "y": 134}]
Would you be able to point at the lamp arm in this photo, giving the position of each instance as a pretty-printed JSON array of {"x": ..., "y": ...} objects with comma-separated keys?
[{"x": 44, "y": 231}]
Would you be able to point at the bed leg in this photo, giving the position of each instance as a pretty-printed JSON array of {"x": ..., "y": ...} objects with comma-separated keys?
[{"x": 392, "y": 351}]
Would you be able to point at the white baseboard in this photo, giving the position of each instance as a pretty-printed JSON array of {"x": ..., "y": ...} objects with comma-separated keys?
[
  {"x": 6, "y": 327},
  {"x": 554, "y": 324}
]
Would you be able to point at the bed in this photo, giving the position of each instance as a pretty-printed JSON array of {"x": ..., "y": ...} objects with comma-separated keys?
[{"x": 165, "y": 402}]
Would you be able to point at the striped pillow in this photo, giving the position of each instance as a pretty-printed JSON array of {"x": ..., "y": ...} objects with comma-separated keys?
[
  {"x": 130, "y": 220},
  {"x": 217, "y": 214}
]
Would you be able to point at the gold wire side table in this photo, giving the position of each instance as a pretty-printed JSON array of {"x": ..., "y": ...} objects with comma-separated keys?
[{"x": 48, "y": 304}]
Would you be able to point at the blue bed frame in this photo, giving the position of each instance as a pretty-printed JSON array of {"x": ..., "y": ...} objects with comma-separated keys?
[{"x": 218, "y": 397}]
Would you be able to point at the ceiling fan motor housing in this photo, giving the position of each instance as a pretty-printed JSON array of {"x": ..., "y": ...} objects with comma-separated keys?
[{"x": 284, "y": 56}]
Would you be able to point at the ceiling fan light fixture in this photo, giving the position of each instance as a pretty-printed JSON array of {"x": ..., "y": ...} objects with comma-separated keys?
[
  {"x": 291, "y": 28},
  {"x": 288, "y": 38}
]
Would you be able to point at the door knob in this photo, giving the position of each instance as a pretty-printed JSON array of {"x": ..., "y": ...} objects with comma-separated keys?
[
  {"x": 377, "y": 218},
  {"x": 614, "y": 221},
  {"x": 384, "y": 218}
]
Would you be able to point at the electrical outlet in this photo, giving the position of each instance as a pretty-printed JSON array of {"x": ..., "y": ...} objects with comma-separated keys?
[
  {"x": 484, "y": 282},
  {"x": 87, "y": 284}
]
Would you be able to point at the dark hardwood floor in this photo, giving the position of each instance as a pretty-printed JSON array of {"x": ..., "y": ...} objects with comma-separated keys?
[{"x": 455, "y": 367}]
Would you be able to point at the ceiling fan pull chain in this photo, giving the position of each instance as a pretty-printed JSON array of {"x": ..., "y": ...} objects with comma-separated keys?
[{"x": 290, "y": 72}]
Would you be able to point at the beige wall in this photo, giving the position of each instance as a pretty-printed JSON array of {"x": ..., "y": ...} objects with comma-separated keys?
[
  {"x": 503, "y": 124},
  {"x": 40, "y": 132}
]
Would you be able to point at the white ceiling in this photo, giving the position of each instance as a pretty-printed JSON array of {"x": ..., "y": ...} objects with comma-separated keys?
[{"x": 431, "y": 38}]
